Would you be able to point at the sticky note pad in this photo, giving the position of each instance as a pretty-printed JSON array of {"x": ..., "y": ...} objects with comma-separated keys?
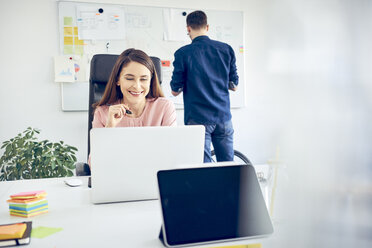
[
  {"x": 78, "y": 42},
  {"x": 12, "y": 231},
  {"x": 165, "y": 63},
  {"x": 67, "y": 31},
  {"x": 79, "y": 50},
  {"x": 67, "y": 20},
  {"x": 43, "y": 231},
  {"x": 26, "y": 195},
  {"x": 67, "y": 49},
  {"x": 68, "y": 40}
]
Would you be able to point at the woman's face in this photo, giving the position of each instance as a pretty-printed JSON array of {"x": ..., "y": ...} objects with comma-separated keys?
[{"x": 134, "y": 82}]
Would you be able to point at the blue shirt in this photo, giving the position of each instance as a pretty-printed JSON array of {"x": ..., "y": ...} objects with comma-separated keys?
[{"x": 203, "y": 69}]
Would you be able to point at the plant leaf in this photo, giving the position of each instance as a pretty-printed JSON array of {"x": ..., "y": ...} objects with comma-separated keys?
[{"x": 25, "y": 157}]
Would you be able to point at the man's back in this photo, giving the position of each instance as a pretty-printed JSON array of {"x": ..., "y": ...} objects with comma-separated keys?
[{"x": 204, "y": 69}]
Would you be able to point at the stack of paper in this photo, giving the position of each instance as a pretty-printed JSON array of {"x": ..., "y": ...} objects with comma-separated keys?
[{"x": 28, "y": 204}]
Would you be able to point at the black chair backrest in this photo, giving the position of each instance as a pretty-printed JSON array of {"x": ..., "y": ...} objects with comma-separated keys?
[{"x": 100, "y": 69}]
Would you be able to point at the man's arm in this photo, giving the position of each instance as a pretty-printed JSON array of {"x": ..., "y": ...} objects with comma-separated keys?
[
  {"x": 233, "y": 75},
  {"x": 178, "y": 76}
]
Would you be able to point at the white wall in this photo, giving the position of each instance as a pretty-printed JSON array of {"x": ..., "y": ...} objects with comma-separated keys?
[
  {"x": 29, "y": 97},
  {"x": 309, "y": 91}
]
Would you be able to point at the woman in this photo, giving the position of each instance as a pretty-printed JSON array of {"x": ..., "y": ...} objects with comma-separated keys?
[{"x": 133, "y": 96}]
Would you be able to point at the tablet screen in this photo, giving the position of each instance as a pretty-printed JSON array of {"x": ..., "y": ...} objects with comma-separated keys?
[{"x": 202, "y": 205}]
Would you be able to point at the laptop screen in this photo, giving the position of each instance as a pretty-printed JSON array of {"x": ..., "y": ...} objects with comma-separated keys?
[{"x": 202, "y": 205}]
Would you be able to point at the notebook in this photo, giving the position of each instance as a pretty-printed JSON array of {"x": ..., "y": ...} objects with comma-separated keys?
[
  {"x": 10, "y": 236},
  {"x": 124, "y": 161},
  {"x": 211, "y": 204}
]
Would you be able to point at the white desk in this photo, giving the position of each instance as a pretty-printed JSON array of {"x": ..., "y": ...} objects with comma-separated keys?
[{"x": 131, "y": 224}]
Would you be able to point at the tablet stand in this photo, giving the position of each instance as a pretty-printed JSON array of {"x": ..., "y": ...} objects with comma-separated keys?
[{"x": 161, "y": 236}]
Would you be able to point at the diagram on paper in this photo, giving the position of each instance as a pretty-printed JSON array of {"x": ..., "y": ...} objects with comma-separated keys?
[{"x": 105, "y": 23}]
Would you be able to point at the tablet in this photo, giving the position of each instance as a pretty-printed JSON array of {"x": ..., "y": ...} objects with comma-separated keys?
[{"x": 211, "y": 204}]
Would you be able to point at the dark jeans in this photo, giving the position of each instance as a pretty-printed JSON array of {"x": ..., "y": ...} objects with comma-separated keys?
[{"x": 221, "y": 136}]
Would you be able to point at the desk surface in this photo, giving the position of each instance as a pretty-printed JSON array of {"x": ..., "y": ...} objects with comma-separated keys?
[{"x": 129, "y": 224}]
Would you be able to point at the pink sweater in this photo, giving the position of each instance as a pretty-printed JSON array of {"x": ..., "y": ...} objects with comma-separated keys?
[{"x": 157, "y": 112}]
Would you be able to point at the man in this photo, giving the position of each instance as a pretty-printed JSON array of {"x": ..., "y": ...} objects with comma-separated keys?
[{"x": 205, "y": 70}]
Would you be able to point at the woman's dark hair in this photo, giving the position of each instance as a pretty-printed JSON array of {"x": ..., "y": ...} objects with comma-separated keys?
[
  {"x": 113, "y": 92},
  {"x": 196, "y": 20}
]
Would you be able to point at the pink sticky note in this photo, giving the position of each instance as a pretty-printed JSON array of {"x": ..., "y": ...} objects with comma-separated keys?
[{"x": 30, "y": 193}]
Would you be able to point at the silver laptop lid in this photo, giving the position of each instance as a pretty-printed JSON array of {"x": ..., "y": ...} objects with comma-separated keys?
[{"x": 124, "y": 161}]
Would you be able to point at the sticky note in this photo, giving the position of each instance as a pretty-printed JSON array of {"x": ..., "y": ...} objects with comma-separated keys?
[
  {"x": 67, "y": 21},
  {"x": 67, "y": 40},
  {"x": 165, "y": 63},
  {"x": 68, "y": 49},
  {"x": 67, "y": 30},
  {"x": 79, "y": 50},
  {"x": 76, "y": 31},
  {"x": 31, "y": 194},
  {"x": 77, "y": 41},
  {"x": 12, "y": 231},
  {"x": 43, "y": 231}
]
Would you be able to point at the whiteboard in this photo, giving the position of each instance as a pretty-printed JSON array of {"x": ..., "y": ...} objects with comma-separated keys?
[{"x": 144, "y": 30}]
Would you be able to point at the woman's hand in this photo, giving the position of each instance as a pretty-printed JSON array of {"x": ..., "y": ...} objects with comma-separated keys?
[{"x": 115, "y": 114}]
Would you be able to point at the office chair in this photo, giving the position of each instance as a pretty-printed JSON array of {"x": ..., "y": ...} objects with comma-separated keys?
[
  {"x": 239, "y": 156},
  {"x": 100, "y": 69}
]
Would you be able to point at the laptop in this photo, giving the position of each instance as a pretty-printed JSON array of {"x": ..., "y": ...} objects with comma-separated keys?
[
  {"x": 211, "y": 204},
  {"x": 124, "y": 161}
]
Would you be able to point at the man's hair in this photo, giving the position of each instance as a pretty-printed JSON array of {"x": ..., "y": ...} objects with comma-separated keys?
[{"x": 196, "y": 20}]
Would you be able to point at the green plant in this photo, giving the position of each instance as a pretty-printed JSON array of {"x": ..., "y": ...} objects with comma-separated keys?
[{"x": 27, "y": 158}]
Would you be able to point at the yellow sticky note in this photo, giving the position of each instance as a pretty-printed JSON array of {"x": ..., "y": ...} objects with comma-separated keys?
[
  {"x": 77, "y": 41},
  {"x": 12, "y": 231},
  {"x": 67, "y": 31},
  {"x": 79, "y": 50},
  {"x": 76, "y": 31},
  {"x": 68, "y": 49},
  {"x": 67, "y": 40},
  {"x": 67, "y": 21}
]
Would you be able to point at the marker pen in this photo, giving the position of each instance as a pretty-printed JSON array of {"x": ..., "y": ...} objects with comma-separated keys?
[{"x": 126, "y": 110}]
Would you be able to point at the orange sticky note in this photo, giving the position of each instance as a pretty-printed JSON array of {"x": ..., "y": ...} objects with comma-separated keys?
[
  {"x": 12, "y": 231},
  {"x": 27, "y": 200},
  {"x": 165, "y": 63}
]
